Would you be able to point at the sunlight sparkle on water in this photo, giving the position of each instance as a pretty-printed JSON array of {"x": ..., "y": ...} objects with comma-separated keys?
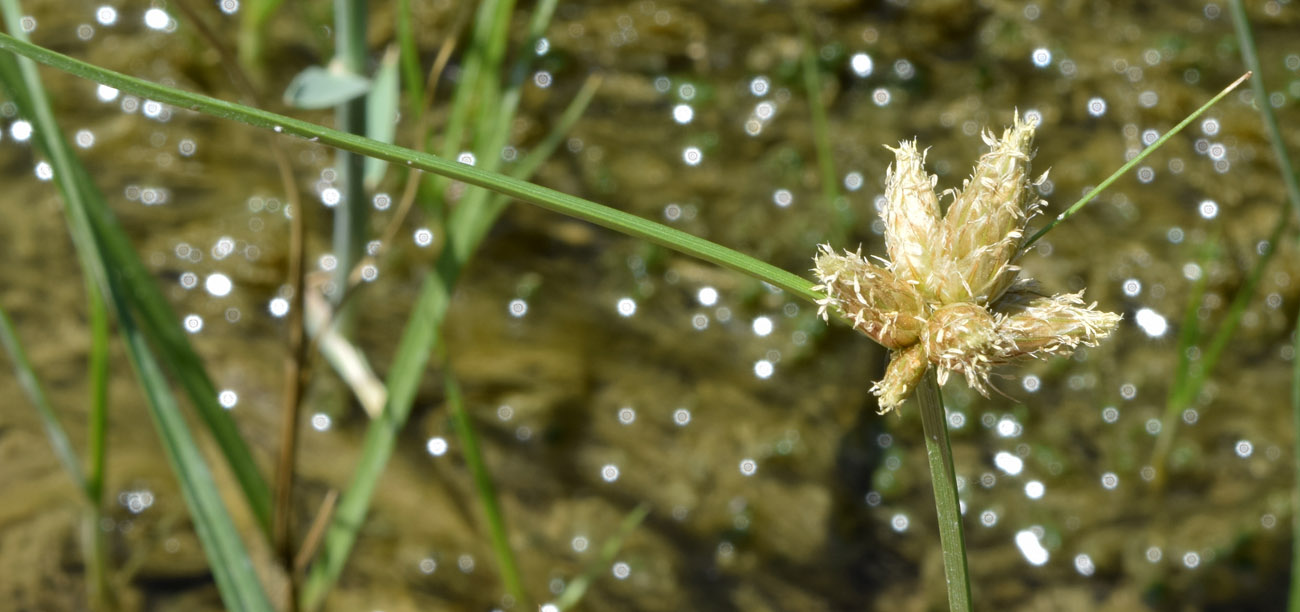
[
  {"x": 707, "y": 296},
  {"x": 321, "y": 421},
  {"x": 683, "y": 113},
  {"x": 762, "y": 326},
  {"x": 436, "y": 446},
  {"x": 609, "y": 472},
  {"x": 692, "y": 156},
  {"x": 1083, "y": 565},
  {"x": 748, "y": 467},
  {"x": 423, "y": 237},
  {"x": 106, "y": 15},
  {"x": 228, "y": 399},
  {"x": 763, "y": 369},
  {"x": 1152, "y": 323},
  {"x": 193, "y": 323},
  {"x": 1041, "y": 57},
  {"x": 1034, "y": 489},
  {"x": 621, "y": 570},
  {"x": 1096, "y": 107},
  {"x": 899, "y": 522},
  {"x": 157, "y": 19},
  {"x": 861, "y": 64},
  {"x": 278, "y": 307},
  {"x": 1030, "y": 546},
  {"x": 106, "y": 93},
  {"x": 518, "y": 308},
  {"x": 626, "y": 307},
  {"x": 218, "y": 284},
  {"x": 1109, "y": 481},
  {"x": 1008, "y": 463},
  {"x": 1008, "y": 427},
  {"x": 44, "y": 171},
  {"x": 20, "y": 130},
  {"x": 1209, "y": 209},
  {"x": 682, "y": 417}
]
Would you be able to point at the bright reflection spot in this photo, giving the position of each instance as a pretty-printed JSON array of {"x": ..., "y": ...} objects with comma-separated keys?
[
  {"x": 579, "y": 543},
  {"x": 759, "y": 86},
  {"x": 227, "y": 398},
  {"x": 543, "y": 79},
  {"x": 681, "y": 417},
  {"x": 707, "y": 296},
  {"x": 853, "y": 181},
  {"x": 1029, "y": 545},
  {"x": 1031, "y": 383},
  {"x": 1041, "y": 57},
  {"x": 106, "y": 93},
  {"x": 627, "y": 415},
  {"x": 157, "y": 19},
  {"x": 1034, "y": 489},
  {"x": 1096, "y": 107},
  {"x": 861, "y": 64},
  {"x": 321, "y": 421},
  {"x": 1008, "y": 427},
  {"x": 700, "y": 321},
  {"x": 1153, "y": 426},
  {"x": 880, "y": 96},
  {"x": 1109, "y": 481},
  {"x": 466, "y": 158},
  {"x": 327, "y": 262},
  {"x": 1152, "y": 323},
  {"x": 1244, "y": 448},
  {"x": 44, "y": 171},
  {"x": 218, "y": 284},
  {"x": 683, "y": 113},
  {"x": 762, "y": 326},
  {"x": 1191, "y": 271},
  {"x": 1208, "y": 209},
  {"x": 193, "y": 323},
  {"x": 20, "y": 130},
  {"x": 1110, "y": 414},
  {"x": 229, "y": 7},
  {"x": 1083, "y": 565},
  {"x": 518, "y": 308},
  {"x": 1154, "y": 554},
  {"x": 763, "y": 369},
  {"x": 278, "y": 307},
  {"x": 550, "y": 607},
  {"x": 782, "y": 198},
  {"x": 609, "y": 472},
  {"x": 428, "y": 566},
  {"x": 189, "y": 280},
  {"x": 899, "y": 522},
  {"x": 988, "y": 518},
  {"x": 437, "y": 446},
  {"x": 692, "y": 156},
  {"x": 621, "y": 570},
  {"x": 1191, "y": 560},
  {"x": 330, "y": 197},
  {"x": 465, "y": 563},
  {"x": 1132, "y": 287},
  {"x": 748, "y": 467},
  {"x": 626, "y": 307},
  {"x": 1008, "y": 463},
  {"x": 106, "y": 15},
  {"x": 423, "y": 237},
  {"x": 84, "y": 138}
]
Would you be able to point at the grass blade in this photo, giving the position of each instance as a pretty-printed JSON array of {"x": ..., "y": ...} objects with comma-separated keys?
[
  {"x": 31, "y": 385},
  {"x": 534, "y": 194}
]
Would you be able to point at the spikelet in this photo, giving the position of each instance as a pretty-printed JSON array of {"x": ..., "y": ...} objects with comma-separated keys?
[
  {"x": 911, "y": 214},
  {"x": 871, "y": 297}
]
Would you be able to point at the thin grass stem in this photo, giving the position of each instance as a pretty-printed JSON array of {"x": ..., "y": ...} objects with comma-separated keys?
[
  {"x": 946, "y": 502},
  {"x": 484, "y": 487},
  {"x": 1095, "y": 191}
]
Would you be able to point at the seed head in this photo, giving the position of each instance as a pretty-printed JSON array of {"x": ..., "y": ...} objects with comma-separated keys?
[{"x": 949, "y": 295}]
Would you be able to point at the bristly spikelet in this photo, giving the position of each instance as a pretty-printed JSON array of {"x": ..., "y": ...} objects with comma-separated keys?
[
  {"x": 950, "y": 297},
  {"x": 911, "y": 214},
  {"x": 871, "y": 297},
  {"x": 984, "y": 226}
]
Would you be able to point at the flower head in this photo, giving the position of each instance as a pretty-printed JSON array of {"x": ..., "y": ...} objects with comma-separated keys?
[{"x": 950, "y": 296}]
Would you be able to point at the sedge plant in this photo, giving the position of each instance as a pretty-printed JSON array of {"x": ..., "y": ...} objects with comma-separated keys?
[{"x": 961, "y": 312}]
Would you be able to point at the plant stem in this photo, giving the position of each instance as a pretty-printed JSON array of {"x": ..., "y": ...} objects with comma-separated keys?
[{"x": 943, "y": 477}]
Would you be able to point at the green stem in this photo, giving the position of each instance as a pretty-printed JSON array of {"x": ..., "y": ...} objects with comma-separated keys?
[
  {"x": 484, "y": 487},
  {"x": 946, "y": 503}
]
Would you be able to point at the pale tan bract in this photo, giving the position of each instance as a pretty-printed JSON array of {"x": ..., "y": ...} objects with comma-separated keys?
[{"x": 950, "y": 296}]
